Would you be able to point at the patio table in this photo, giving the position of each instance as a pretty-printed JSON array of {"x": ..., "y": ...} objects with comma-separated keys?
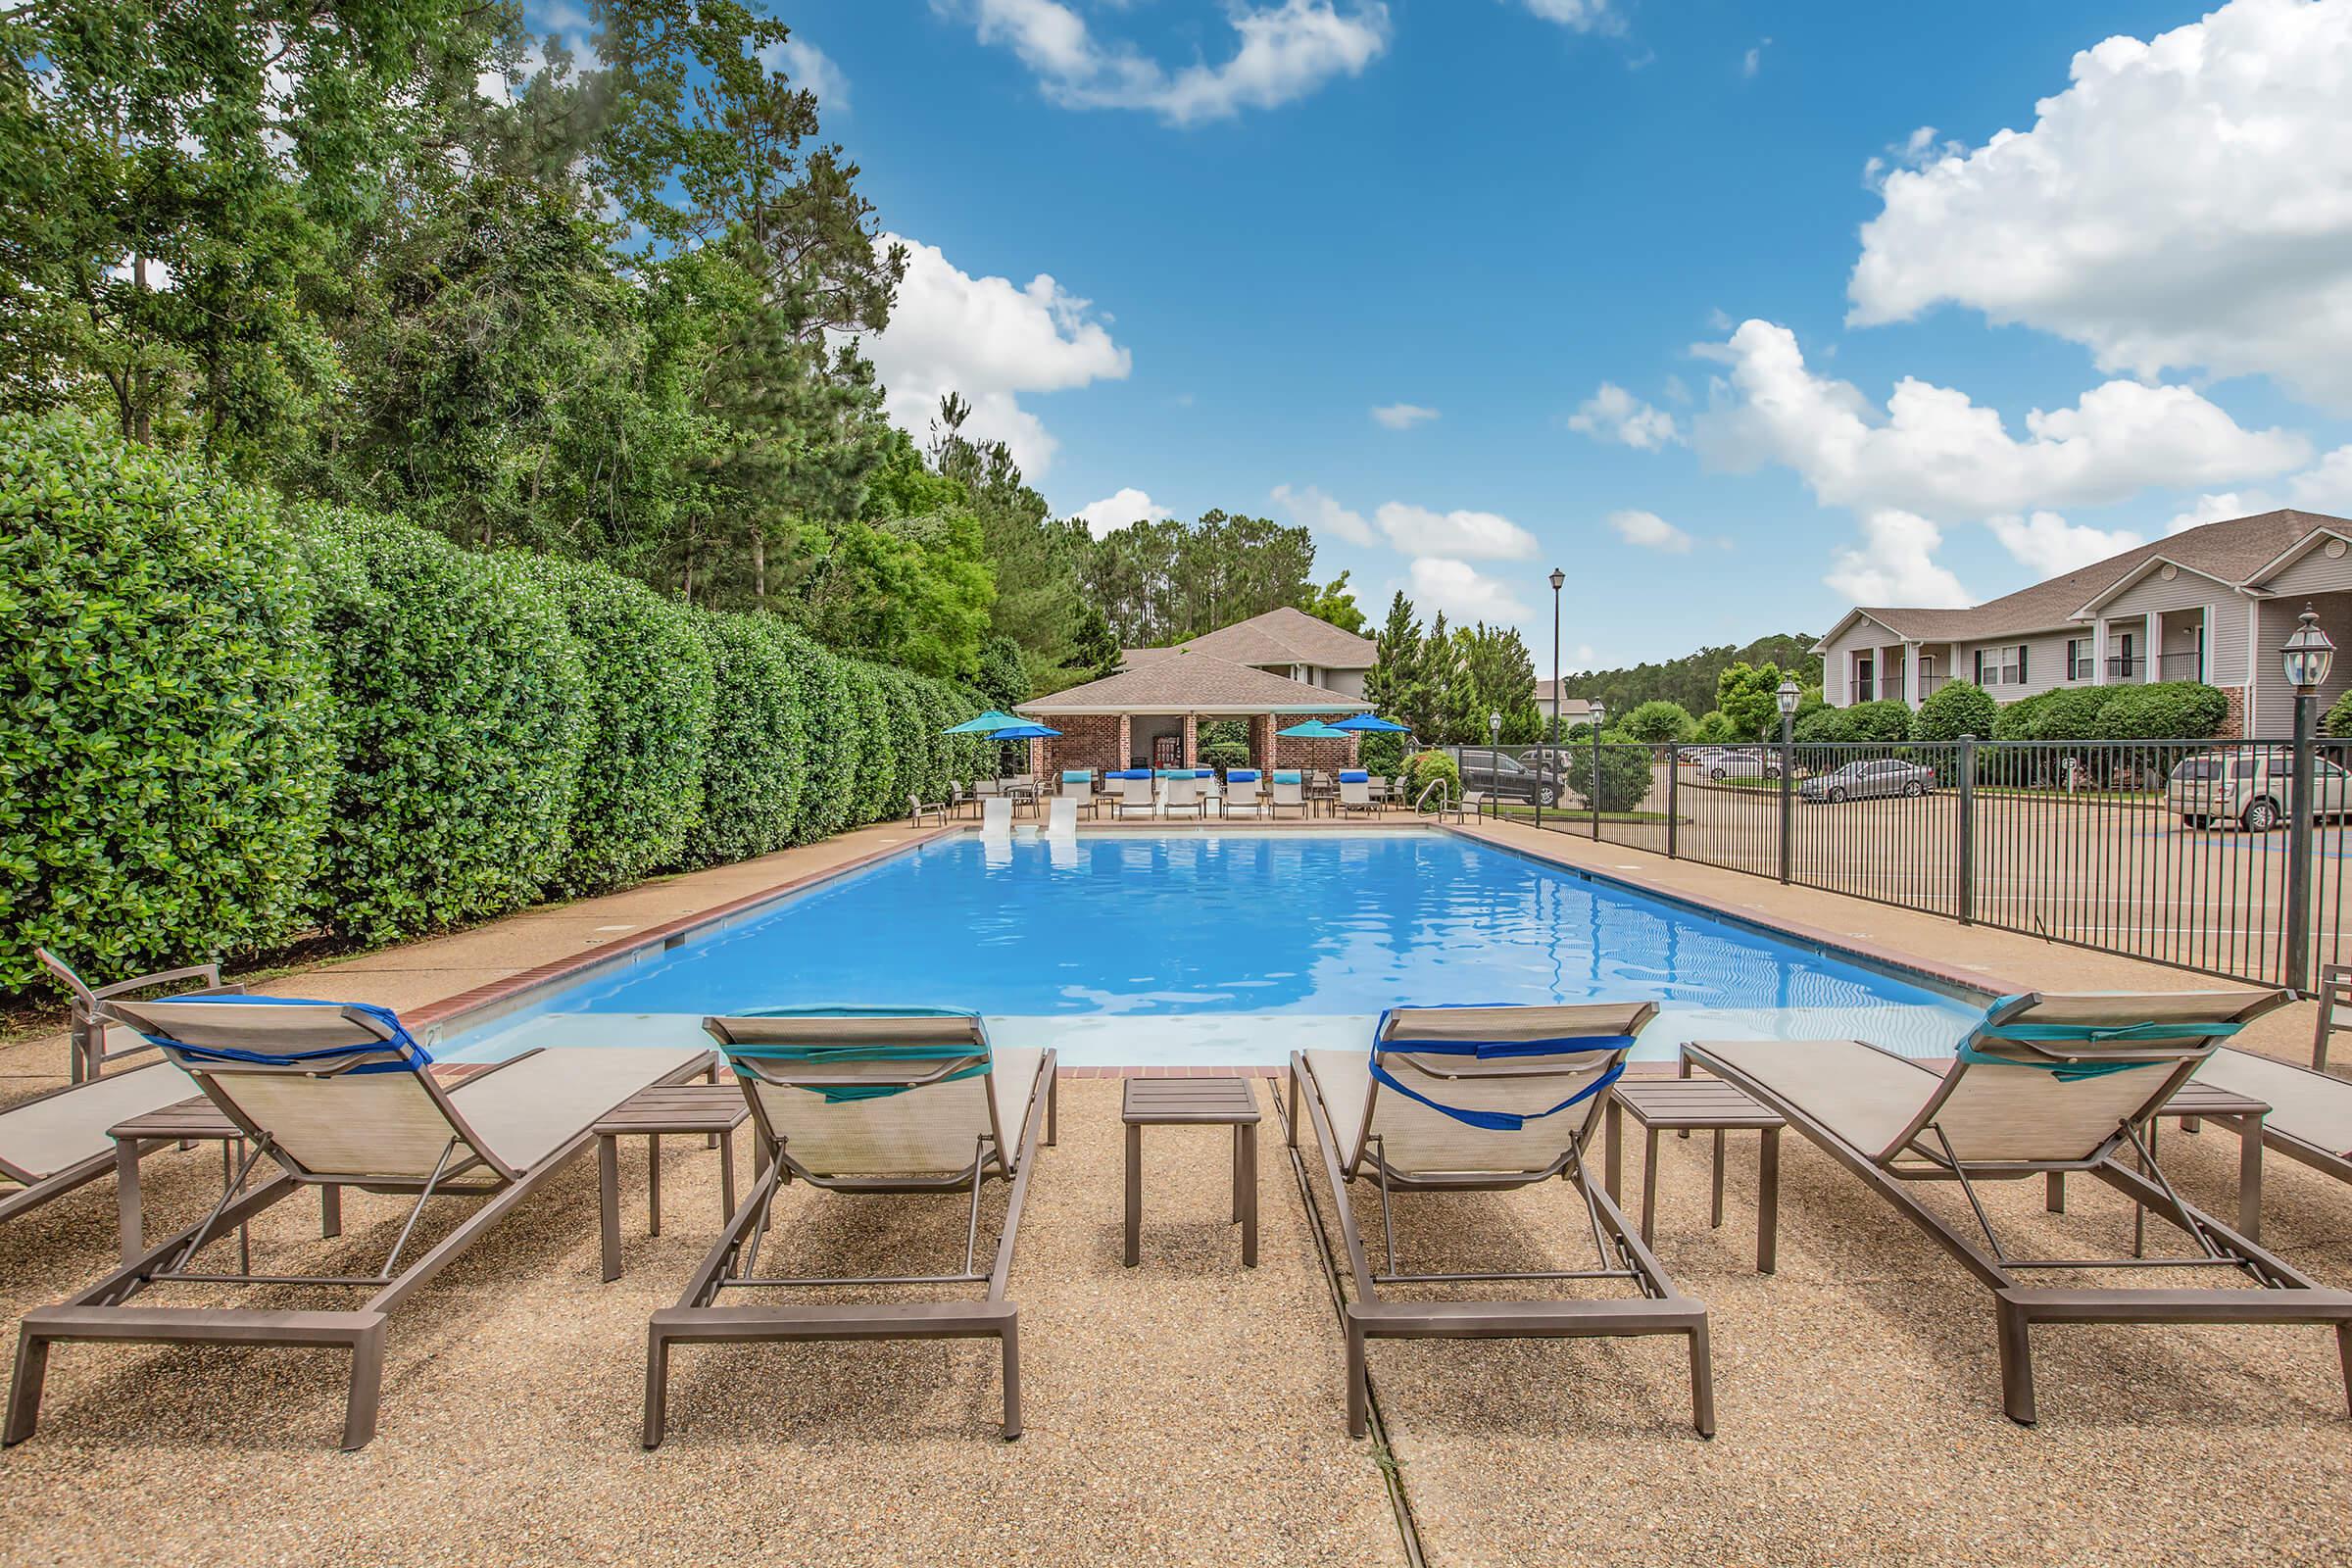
[
  {"x": 715, "y": 1110},
  {"x": 1686, "y": 1105},
  {"x": 1194, "y": 1101}
]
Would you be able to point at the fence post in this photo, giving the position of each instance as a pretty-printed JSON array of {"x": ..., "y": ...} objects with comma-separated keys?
[
  {"x": 2301, "y": 812},
  {"x": 1967, "y": 913},
  {"x": 1674, "y": 785}
]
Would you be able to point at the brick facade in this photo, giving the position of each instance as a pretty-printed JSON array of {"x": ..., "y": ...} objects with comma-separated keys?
[
  {"x": 1088, "y": 740},
  {"x": 2233, "y": 719},
  {"x": 1328, "y": 754}
]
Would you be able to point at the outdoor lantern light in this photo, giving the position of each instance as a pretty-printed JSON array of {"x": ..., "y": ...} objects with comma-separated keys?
[
  {"x": 1495, "y": 725},
  {"x": 1559, "y": 580},
  {"x": 1601, "y": 714},
  {"x": 2308, "y": 653},
  {"x": 1788, "y": 694}
]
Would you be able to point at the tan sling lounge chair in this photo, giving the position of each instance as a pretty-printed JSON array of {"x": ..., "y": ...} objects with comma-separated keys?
[
  {"x": 338, "y": 1095},
  {"x": 2047, "y": 1085},
  {"x": 1486, "y": 1098},
  {"x": 867, "y": 1099},
  {"x": 2310, "y": 1112}
]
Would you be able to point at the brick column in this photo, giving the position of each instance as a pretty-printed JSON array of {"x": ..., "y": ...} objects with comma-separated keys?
[
  {"x": 1353, "y": 741},
  {"x": 1037, "y": 759},
  {"x": 1126, "y": 738}
]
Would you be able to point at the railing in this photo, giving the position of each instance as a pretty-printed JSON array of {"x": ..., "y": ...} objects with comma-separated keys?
[
  {"x": 2176, "y": 852},
  {"x": 2122, "y": 668},
  {"x": 1930, "y": 685},
  {"x": 2181, "y": 667}
]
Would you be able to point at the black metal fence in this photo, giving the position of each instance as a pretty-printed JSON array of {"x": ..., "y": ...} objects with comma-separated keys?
[{"x": 2176, "y": 852}]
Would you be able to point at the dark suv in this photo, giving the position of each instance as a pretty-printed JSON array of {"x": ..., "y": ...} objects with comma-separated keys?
[{"x": 1504, "y": 778}]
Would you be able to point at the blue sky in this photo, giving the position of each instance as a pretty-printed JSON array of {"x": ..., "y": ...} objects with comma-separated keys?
[{"x": 1184, "y": 249}]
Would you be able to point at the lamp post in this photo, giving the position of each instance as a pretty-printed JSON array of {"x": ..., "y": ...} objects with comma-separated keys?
[
  {"x": 1495, "y": 742},
  {"x": 2307, "y": 656},
  {"x": 1559, "y": 580},
  {"x": 1600, "y": 716},
  {"x": 1787, "y": 697}
]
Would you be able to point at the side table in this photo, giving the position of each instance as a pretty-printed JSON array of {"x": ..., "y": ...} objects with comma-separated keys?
[
  {"x": 1194, "y": 1102},
  {"x": 712, "y": 1109}
]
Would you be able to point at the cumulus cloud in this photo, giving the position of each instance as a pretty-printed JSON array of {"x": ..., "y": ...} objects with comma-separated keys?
[
  {"x": 1935, "y": 451},
  {"x": 1894, "y": 563},
  {"x": 1650, "y": 532},
  {"x": 1753, "y": 61},
  {"x": 1123, "y": 508},
  {"x": 1578, "y": 16},
  {"x": 991, "y": 341},
  {"x": 2185, "y": 201},
  {"x": 1403, "y": 416},
  {"x": 1613, "y": 414},
  {"x": 1462, "y": 592},
  {"x": 1472, "y": 536},
  {"x": 1285, "y": 51},
  {"x": 810, "y": 68},
  {"x": 2325, "y": 487},
  {"x": 1309, "y": 508},
  {"x": 2052, "y": 545}
]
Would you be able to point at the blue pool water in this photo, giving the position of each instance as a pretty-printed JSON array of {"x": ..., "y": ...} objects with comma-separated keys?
[{"x": 1234, "y": 947}]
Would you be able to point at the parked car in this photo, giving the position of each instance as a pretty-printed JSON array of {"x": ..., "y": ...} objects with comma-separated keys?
[
  {"x": 1863, "y": 780},
  {"x": 1506, "y": 777},
  {"x": 1741, "y": 761},
  {"x": 2252, "y": 789}
]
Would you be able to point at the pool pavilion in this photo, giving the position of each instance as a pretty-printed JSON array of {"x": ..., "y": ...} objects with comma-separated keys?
[{"x": 1150, "y": 715}]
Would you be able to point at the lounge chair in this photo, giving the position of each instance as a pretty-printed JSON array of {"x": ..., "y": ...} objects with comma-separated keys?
[
  {"x": 2310, "y": 1112},
  {"x": 1242, "y": 795},
  {"x": 1356, "y": 792},
  {"x": 97, "y": 1043},
  {"x": 1078, "y": 788},
  {"x": 1184, "y": 798},
  {"x": 995, "y": 817},
  {"x": 1061, "y": 819},
  {"x": 916, "y": 811},
  {"x": 2044, "y": 1085},
  {"x": 1289, "y": 793},
  {"x": 338, "y": 1095},
  {"x": 1135, "y": 796},
  {"x": 1482, "y": 1098},
  {"x": 910, "y": 1101}
]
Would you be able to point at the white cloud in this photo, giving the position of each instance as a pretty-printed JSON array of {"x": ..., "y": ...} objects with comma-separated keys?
[
  {"x": 1475, "y": 535},
  {"x": 2325, "y": 487},
  {"x": 1753, "y": 61},
  {"x": 1286, "y": 51},
  {"x": 1310, "y": 507},
  {"x": 1613, "y": 414},
  {"x": 2053, "y": 545},
  {"x": 2220, "y": 508},
  {"x": 2183, "y": 202},
  {"x": 1895, "y": 564},
  {"x": 811, "y": 68},
  {"x": 1462, "y": 592},
  {"x": 160, "y": 276},
  {"x": 1650, "y": 532},
  {"x": 1933, "y": 452},
  {"x": 1403, "y": 416},
  {"x": 1127, "y": 506},
  {"x": 991, "y": 341},
  {"x": 1579, "y": 16}
]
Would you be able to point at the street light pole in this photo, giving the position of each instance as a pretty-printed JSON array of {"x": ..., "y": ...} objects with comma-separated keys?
[
  {"x": 1787, "y": 697},
  {"x": 1558, "y": 579},
  {"x": 1600, "y": 715},
  {"x": 2307, "y": 654}
]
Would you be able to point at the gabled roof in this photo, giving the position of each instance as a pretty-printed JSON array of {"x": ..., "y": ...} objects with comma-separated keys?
[
  {"x": 1286, "y": 636},
  {"x": 1186, "y": 680},
  {"x": 2231, "y": 552}
]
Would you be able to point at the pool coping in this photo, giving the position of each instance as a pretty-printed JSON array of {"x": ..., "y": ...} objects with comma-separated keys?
[{"x": 469, "y": 1009}]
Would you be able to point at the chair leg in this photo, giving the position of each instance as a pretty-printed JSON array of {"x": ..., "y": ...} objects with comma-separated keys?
[
  {"x": 1012, "y": 1379},
  {"x": 1702, "y": 1383},
  {"x": 2017, "y": 1363},
  {"x": 657, "y": 1388},
  {"x": 367, "y": 1389},
  {"x": 25, "y": 1390},
  {"x": 2343, "y": 1353},
  {"x": 1360, "y": 1376}
]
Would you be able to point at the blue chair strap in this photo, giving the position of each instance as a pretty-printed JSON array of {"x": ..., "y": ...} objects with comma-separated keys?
[
  {"x": 1494, "y": 1121},
  {"x": 414, "y": 1057}
]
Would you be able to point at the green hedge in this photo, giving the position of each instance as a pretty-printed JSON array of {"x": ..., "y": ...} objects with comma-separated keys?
[
  {"x": 163, "y": 748},
  {"x": 649, "y": 687},
  {"x": 830, "y": 710},
  {"x": 755, "y": 774},
  {"x": 2176, "y": 709},
  {"x": 463, "y": 712},
  {"x": 1956, "y": 709}
]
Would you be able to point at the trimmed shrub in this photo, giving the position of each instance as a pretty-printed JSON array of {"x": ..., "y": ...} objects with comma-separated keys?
[
  {"x": 1886, "y": 722},
  {"x": 1225, "y": 743},
  {"x": 2338, "y": 718},
  {"x": 1379, "y": 751},
  {"x": 1956, "y": 709},
  {"x": 164, "y": 755},
  {"x": 903, "y": 708},
  {"x": 2162, "y": 711},
  {"x": 1821, "y": 727},
  {"x": 755, "y": 769},
  {"x": 873, "y": 790},
  {"x": 1714, "y": 729},
  {"x": 1423, "y": 767},
  {"x": 1658, "y": 722},
  {"x": 829, "y": 795},
  {"x": 649, "y": 687},
  {"x": 1623, "y": 774},
  {"x": 463, "y": 712}
]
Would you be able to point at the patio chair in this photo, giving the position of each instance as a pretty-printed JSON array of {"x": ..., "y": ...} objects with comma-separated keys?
[
  {"x": 1484, "y": 1099},
  {"x": 1355, "y": 793},
  {"x": 868, "y": 1099},
  {"x": 1289, "y": 793},
  {"x": 916, "y": 811},
  {"x": 1078, "y": 788},
  {"x": 2310, "y": 1112},
  {"x": 96, "y": 1042},
  {"x": 995, "y": 817},
  {"x": 2045, "y": 1085},
  {"x": 1242, "y": 794},
  {"x": 1184, "y": 798},
  {"x": 338, "y": 1095},
  {"x": 1135, "y": 796},
  {"x": 1061, "y": 819},
  {"x": 1382, "y": 793}
]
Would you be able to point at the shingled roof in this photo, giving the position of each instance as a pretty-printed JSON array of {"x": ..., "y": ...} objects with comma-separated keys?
[
  {"x": 2230, "y": 551},
  {"x": 1286, "y": 636},
  {"x": 1186, "y": 680}
]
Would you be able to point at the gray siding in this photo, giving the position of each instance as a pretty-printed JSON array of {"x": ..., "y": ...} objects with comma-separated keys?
[
  {"x": 2273, "y": 698},
  {"x": 2314, "y": 574},
  {"x": 2046, "y": 663},
  {"x": 2226, "y": 608},
  {"x": 1863, "y": 636}
]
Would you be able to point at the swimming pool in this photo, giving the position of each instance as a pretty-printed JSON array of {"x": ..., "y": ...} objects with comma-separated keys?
[{"x": 1231, "y": 947}]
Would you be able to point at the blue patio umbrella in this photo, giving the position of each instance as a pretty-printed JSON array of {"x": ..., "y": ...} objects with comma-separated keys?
[
  {"x": 986, "y": 724},
  {"x": 1024, "y": 732},
  {"x": 1370, "y": 724},
  {"x": 1314, "y": 729}
]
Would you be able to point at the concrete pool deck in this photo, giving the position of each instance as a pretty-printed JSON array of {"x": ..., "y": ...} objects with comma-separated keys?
[{"x": 1186, "y": 1411}]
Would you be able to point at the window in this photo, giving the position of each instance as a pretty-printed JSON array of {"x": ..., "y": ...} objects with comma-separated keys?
[
  {"x": 2077, "y": 658},
  {"x": 1979, "y": 674},
  {"x": 1863, "y": 688},
  {"x": 2013, "y": 665}
]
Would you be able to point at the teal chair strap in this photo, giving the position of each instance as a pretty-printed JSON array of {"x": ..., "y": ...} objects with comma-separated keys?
[{"x": 2078, "y": 1034}]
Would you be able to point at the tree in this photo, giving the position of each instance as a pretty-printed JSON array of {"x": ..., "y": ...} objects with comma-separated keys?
[
  {"x": 1691, "y": 680},
  {"x": 1397, "y": 684},
  {"x": 1494, "y": 674},
  {"x": 1955, "y": 708},
  {"x": 1749, "y": 696},
  {"x": 1335, "y": 601},
  {"x": 1660, "y": 723},
  {"x": 1162, "y": 582}
]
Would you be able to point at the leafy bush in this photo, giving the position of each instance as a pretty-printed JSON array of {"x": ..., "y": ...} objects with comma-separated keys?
[
  {"x": 828, "y": 706},
  {"x": 1822, "y": 727},
  {"x": 2163, "y": 711},
  {"x": 1622, "y": 769},
  {"x": 756, "y": 771},
  {"x": 1714, "y": 729},
  {"x": 1225, "y": 743},
  {"x": 165, "y": 758},
  {"x": 649, "y": 687},
  {"x": 2338, "y": 718},
  {"x": 1660, "y": 723},
  {"x": 1956, "y": 709},
  {"x": 1423, "y": 767},
  {"x": 903, "y": 708},
  {"x": 463, "y": 712},
  {"x": 1379, "y": 751},
  {"x": 874, "y": 794},
  {"x": 1886, "y": 722}
]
